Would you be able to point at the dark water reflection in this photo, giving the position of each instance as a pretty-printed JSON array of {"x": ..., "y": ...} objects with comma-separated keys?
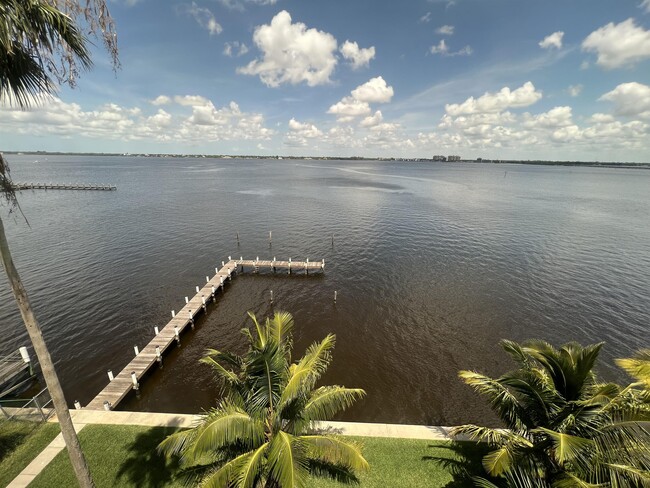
[{"x": 433, "y": 265}]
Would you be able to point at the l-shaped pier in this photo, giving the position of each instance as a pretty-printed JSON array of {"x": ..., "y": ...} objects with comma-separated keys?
[{"x": 128, "y": 379}]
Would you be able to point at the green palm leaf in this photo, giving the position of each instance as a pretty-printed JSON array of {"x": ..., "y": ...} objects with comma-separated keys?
[
  {"x": 498, "y": 462},
  {"x": 335, "y": 450},
  {"x": 567, "y": 447},
  {"x": 309, "y": 369},
  {"x": 287, "y": 460},
  {"x": 638, "y": 366},
  {"x": 327, "y": 401},
  {"x": 249, "y": 469}
]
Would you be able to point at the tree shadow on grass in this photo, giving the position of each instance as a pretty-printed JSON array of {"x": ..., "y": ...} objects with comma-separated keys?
[
  {"x": 144, "y": 466},
  {"x": 12, "y": 434},
  {"x": 463, "y": 461}
]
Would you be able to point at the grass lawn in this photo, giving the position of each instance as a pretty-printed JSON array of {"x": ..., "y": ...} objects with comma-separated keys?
[
  {"x": 20, "y": 442},
  {"x": 125, "y": 456}
]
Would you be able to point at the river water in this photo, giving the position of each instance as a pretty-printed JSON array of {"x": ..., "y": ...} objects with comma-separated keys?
[{"x": 433, "y": 265}]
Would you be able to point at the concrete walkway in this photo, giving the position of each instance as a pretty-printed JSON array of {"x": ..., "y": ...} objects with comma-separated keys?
[{"x": 81, "y": 418}]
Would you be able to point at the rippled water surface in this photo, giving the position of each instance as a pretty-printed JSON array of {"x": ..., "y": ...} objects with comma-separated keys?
[{"x": 433, "y": 264}]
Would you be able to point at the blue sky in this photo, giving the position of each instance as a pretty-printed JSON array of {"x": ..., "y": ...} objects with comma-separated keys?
[{"x": 498, "y": 79}]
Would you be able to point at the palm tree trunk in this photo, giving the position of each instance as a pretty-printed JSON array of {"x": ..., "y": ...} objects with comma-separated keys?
[{"x": 51, "y": 379}]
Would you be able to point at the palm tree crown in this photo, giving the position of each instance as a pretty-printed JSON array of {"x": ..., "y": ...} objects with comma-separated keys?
[
  {"x": 259, "y": 434},
  {"x": 563, "y": 427}
]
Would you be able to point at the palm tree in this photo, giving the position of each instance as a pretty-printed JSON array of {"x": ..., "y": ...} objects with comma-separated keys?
[
  {"x": 563, "y": 428},
  {"x": 41, "y": 45},
  {"x": 259, "y": 434}
]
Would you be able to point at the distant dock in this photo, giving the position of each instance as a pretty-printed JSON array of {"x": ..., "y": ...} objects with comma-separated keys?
[
  {"x": 128, "y": 379},
  {"x": 63, "y": 186}
]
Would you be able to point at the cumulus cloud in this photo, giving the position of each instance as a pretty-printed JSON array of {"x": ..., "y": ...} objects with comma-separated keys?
[
  {"x": 374, "y": 90},
  {"x": 496, "y": 102},
  {"x": 204, "y": 17},
  {"x": 442, "y": 49},
  {"x": 630, "y": 99},
  {"x": 619, "y": 45},
  {"x": 555, "y": 118},
  {"x": 301, "y": 132},
  {"x": 203, "y": 123},
  {"x": 292, "y": 53},
  {"x": 552, "y": 41},
  {"x": 445, "y": 30},
  {"x": 161, "y": 100},
  {"x": 234, "y": 49},
  {"x": 358, "y": 102},
  {"x": 575, "y": 90},
  {"x": 358, "y": 57},
  {"x": 372, "y": 120},
  {"x": 426, "y": 18}
]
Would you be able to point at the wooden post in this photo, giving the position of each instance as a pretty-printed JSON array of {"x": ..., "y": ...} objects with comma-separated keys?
[
  {"x": 134, "y": 380},
  {"x": 322, "y": 266},
  {"x": 335, "y": 293},
  {"x": 110, "y": 375},
  {"x": 198, "y": 289},
  {"x": 238, "y": 238},
  {"x": 207, "y": 279},
  {"x": 270, "y": 237},
  {"x": 136, "y": 350},
  {"x": 155, "y": 330},
  {"x": 77, "y": 405},
  {"x": 178, "y": 337},
  {"x": 213, "y": 291},
  {"x": 173, "y": 313},
  {"x": 191, "y": 318},
  {"x": 221, "y": 281},
  {"x": 289, "y": 272},
  {"x": 222, "y": 264},
  {"x": 204, "y": 305},
  {"x": 271, "y": 296},
  {"x": 187, "y": 300},
  {"x": 107, "y": 405},
  {"x": 158, "y": 355}
]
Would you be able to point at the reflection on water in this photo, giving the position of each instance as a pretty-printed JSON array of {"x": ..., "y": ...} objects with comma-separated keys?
[{"x": 433, "y": 264}]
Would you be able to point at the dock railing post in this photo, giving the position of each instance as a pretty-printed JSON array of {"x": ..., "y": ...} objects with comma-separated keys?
[
  {"x": 158, "y": 355},
  {"x": 107, "y": 405},
  {"x": 134, "y": 380},
  {"x": 191, "y": 319},
  {"x": 136, "y": 350},
  {"x": 155, "y": 330},
  {"x": 110, "y": 375},
  {"x": 176, "y": 335}
]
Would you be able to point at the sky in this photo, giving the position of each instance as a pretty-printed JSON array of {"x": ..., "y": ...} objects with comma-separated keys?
[{"x": 497, "y": 79}]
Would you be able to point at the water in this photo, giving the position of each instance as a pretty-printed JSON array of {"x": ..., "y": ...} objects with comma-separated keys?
[{"x": 433, "y": 263}]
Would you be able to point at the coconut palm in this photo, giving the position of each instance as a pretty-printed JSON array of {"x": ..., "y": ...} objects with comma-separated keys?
[
  {"x": 260, "y": 434},
  {"x": 41, "y": 45},
  {"x": 562, "y": 427}
]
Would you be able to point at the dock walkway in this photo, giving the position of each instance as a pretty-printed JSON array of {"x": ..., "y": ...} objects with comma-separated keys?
[
  {"x": 129, "y": 377},
  {"x": 62, "y": 186}
]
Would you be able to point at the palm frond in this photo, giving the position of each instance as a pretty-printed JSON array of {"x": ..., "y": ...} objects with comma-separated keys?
[
  {"x": 503, "y": 402},
  {"x": 499, "y": 461},
  {"x": 493, "y": 437},
  {"x": 568, "y": 480},
  {"x": 280, "y": 327},
  {"x": 638, "y": 366},
  {"x": 287, "y": 462},
  {"x": 309, "y": 369},
  {"x": 327, "y": 401},
  {"x": 249, "y": 470},
  {"x": 335, "y": 450},
  {"x": 567, "y": 448}
]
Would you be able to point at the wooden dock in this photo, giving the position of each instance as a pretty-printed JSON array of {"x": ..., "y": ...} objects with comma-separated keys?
[
  {"x": 129, "y": 378},
  {"x": 15, "y": 370},
  {"x": 63, "y": 186}
]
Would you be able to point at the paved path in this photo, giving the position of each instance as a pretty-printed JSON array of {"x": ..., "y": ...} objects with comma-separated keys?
[{"x": 83, "y": 417}]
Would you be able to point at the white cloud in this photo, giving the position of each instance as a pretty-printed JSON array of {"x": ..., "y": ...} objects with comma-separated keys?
[
  {"x": 349, "y": 106},
  {"x": 292, "y": 53},
  {"x": 161, "y": 100},
  {"x": 630, "y": 99},
  {"x": 357, "y": 57},
  {"x": 555, "y": 118},
  {"x": 645, "y": 5},
  {"x": 204, "y": 17},
  {"x": 234, "y": 49},
  {"x": 426, "y": 18},
  {"x": 374, "y": 90},
  {"x": 300, "y": 133},
  {"x": 445, "y": 30},
  {"x": 496, "y": 102},
  {"x": 552, "y": 41},
  {"x": 442, "y": 49},
  {"x": 358, "y": 102},
  {"x": 205, "y": 123},
  {"x": 575, "y": 90},
  {"x": 619, "y": 45},
  {"x": 372, "y": 120}
]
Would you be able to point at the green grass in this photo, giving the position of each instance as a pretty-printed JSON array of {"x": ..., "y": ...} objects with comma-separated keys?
[
  {"x": 125, "y": 456},
  {"x": 20, "y": 443}
]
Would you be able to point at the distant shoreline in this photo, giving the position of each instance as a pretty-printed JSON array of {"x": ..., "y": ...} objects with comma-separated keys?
[{"x": 595, "y": 164}]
